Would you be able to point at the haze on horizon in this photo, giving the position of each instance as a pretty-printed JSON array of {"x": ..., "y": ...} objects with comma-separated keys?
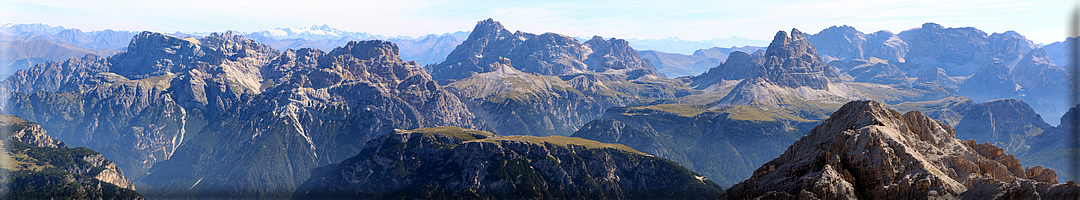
[{"x": 1040, "y": 21}]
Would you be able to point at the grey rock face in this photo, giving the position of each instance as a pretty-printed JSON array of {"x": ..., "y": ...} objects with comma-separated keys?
[
  {"x": 739, "y": 65},
  {"x": 865, "y": 150},
  {"x": 139, "y": 121},
  {"x": 885, "y": 45},
  {"x": 788, "y": 72},
  {"x": 1042, "y": 82},
  {"x": 517, "y": 103},
  {"x": 50, "y": 76},
  {"x": 960, "y": 51},
  {"x": 1007, "y": 123},
  {"x": 845, "y": 42},
  {"x": 89, "y": 171},
  {"x": 18, "y": 129},
  {"x": 793, "y": 62},
  {"x": 936, "y": 79},
  {"x": 545, "y": 54},
  {"x": 1009, "y": 46},
  {"x": 993, "y": 81},
  {"x": 135, "y": 124},
  {"x": 840, "y": 42},
  {"x": 450, "y": 162},
  {"x": 1058, "y": 51},
  {"x": 325, "y": 107}
]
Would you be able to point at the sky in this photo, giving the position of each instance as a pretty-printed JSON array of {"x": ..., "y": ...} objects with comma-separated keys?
[{"x": 1040, "y": 21}]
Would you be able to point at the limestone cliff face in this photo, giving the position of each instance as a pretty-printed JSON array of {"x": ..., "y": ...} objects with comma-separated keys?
[
  {"x": 1006, "y": 123},
  {"x": 135, "y": 107},
  {"x": 616, "y": 56},
  {"x": 549, "y": 84},
  {"x": 790, "y": 61},
  {"x": 544, "y": 54},
  {"x": 517, "y": 103},
  {"x": 450, "y": 162},
  {"x": 42, "y": 167},
  {"x": 204, "y": 102},
  {"x": 960, "y": 51},
  {"x": 739, "y": 65},
  {"x": 992, "y": 81},
  {"x": 18, "y": 129},
  {"x": 1042, "y": 81},
  {"x": 845, "y": 42},
  {"x": 865, "y": 150},
  {"x": 321, "y": 110},
  {"x": 788, "y": 72},
  {"x": 936, "y": 79}
]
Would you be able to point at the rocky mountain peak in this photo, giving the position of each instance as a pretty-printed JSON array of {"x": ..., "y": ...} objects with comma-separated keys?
[
  {"x": 616, "y": 55},
  {"x": 1036, "y": 56},
  {"x": 992, "y": 81},
  {"x": 932, "y": 26},
  {"x": 793, "y": 62},
  {"x": 368, "y": 50},
  {"x": 1009, "y": 46},
  {"x": 153, "y": 41},
  {"x": 545, "y": 54},
  {"x": 487, "y": 27},
  {"x": 960, "y": 51},
  {"x": 867, "y": 151},
  {"x": 794, "y": 46}
]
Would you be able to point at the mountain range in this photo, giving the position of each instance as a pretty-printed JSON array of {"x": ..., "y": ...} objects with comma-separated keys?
[{"x": 514, "y": 114}]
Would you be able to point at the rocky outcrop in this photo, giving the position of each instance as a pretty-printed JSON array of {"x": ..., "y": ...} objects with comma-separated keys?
[
  {"x": 450, "y": 162},
  {"x": 135, "y": 107},
  {"x": 135, "y": 123},
  {"x": 615, "y": 56},
  {"x": 885, "y": 45},
  {"x": 788, "y": 72},
  {"x": 50, "y": 76},
  {"x": 1057, "y": 51},
  {"x": 517, "y": 103},
  {"x": 845, "y": 42},
  {"x": 739, "y": 65},
  {"x": 960, "y": 51},
  {"x": 324, "y": 108},
  {"x": 993, "y": 81},
  {"x": 545, "y": 54},
  {"x": 1006, "y": 123},
  {"x": 549, "y": 84},
  {"x": 41, "y": 167},
  {"x": 18, "y": 129},
  {"x": 1009, "y": 46},
  {"x": 792, "y": 62},
  {"x": 1042, "y": 81},
  {"x": 936, "y": 79},
  {"x": 865, "y": 150}
]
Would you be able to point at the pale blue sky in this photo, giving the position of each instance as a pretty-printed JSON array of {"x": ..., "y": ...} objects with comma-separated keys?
[{"x": 1040, "y": 21}]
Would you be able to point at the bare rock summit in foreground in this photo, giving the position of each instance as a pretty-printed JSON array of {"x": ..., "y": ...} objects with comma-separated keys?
[{"x": 866, "y": 151}]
